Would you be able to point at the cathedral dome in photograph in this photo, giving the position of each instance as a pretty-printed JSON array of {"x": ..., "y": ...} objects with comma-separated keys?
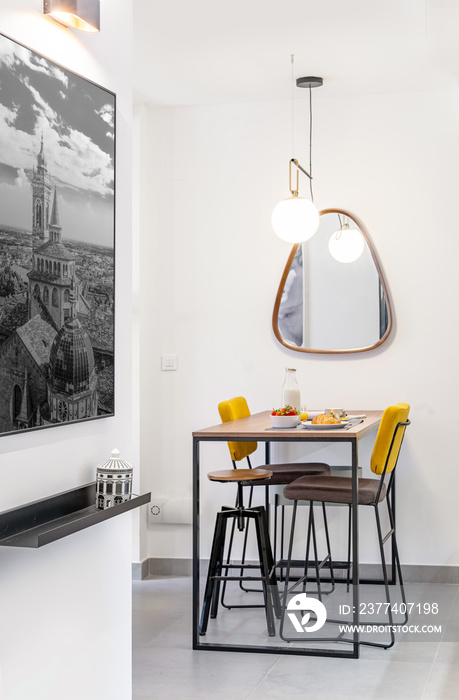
[{"x": 71, "y": 359}]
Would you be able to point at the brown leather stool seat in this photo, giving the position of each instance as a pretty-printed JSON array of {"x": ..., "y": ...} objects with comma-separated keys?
[
  {"x": 286, "y": 473},
  {"x": 337, "y": 489}
]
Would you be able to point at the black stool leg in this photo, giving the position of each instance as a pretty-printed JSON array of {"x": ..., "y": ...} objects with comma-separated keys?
[
  {"x": 397, "y": 560},
  {"x": 349, "y": 538},
  {"x": 308, "y": 544},
  {"x": 287, "y": 571},
  {"x": 282, "y": 539},
  {"x": 271, "y": 565},
  {"x": 316, "y": 556},
  {"x": 327, "y": 539},
  {"x": 230, "y": 548},
  {"x": 386, "y": 582},
  {"x": 219, "y": 537},
  {"x": 276, "y": 498},
  {"x": 260, "y": 525},
  {"x": 317, "y": 565},
  {"x": 219, "y": 570},
  {"x": 228, "y": 559},
  {"x": 244, "y": 549},
  {"x": 400, "y": 577}
]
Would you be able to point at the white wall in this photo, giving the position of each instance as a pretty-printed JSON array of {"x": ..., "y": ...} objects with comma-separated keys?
[
  {"x": 66, "y": 608},
  {"x": 211, "y": 266}
]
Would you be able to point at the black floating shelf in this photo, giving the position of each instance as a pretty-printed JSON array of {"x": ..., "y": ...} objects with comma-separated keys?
[{"x": 50, "y": 519}]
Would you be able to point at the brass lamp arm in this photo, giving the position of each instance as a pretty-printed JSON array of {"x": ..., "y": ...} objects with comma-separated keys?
[{"x": 294, "y": 160}]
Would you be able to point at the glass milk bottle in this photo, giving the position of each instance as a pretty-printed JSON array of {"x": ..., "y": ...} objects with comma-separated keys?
[{"x": 291, "y": 390}]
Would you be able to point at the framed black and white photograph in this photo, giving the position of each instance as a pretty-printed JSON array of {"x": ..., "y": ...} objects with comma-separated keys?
[{"x": 57, "y": 243}]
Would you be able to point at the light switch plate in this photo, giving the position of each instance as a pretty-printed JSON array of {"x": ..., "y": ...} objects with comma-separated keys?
[{"x": 169, "y": 363}]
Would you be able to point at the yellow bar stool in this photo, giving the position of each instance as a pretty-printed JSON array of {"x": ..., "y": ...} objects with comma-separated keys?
[{"x": 219, "y": 571}]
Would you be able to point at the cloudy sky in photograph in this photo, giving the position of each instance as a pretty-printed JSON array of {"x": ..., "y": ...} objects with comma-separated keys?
[{"x": 76, "y": 119}]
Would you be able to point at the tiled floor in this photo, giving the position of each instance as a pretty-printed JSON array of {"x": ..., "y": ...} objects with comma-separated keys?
[{"x": 165, "y": 666}]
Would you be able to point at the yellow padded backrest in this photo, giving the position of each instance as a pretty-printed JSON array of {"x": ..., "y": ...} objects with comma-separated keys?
[
  {"x": 232, "y": 410},
  {"x": 389, "y": 421}
]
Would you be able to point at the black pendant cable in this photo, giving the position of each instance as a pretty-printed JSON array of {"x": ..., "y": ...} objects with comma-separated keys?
[
  {"x": 310, "y": 82},
  {"x": 310, "y": 142},
  {"x": 292, "y": 58}
]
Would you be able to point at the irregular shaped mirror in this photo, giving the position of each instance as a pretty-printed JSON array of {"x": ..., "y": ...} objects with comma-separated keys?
[{"x": 332, "y": 297}]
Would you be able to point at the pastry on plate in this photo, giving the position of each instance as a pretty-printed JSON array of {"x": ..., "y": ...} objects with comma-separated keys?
[{"x": 323, "y": 419}]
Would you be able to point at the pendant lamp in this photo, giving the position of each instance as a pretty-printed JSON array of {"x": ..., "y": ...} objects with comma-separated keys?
[{"x": 296, "y": 218}]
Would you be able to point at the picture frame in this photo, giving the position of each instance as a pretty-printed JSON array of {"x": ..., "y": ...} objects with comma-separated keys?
[{"x": 57, "y": 243}]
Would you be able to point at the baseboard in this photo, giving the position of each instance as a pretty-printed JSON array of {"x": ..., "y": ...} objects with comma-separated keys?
[
  {"x": 155, "y": 566},
  {"x": 412, "y": 573},
  {"x": 140, "y": 570}
]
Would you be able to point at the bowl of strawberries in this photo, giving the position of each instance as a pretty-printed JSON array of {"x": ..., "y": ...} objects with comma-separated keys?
[{"x": 286, "y": 417}]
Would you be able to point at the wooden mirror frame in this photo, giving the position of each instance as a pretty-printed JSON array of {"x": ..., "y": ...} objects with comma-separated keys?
[{"x": 275, "y": 321}]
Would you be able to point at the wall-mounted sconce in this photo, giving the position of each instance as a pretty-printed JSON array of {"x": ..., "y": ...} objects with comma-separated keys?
[
  {"x": 77, "y": 14},
  {"x": 296, "y": 219}
]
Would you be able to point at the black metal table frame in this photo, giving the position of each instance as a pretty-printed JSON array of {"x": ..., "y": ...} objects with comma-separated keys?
[{"x": 197, "y": 643}]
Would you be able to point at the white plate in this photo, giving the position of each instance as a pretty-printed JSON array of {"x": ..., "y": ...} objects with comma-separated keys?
[
  {"x": 313, "y": 414},
  {"x": 321, "y": 426}
]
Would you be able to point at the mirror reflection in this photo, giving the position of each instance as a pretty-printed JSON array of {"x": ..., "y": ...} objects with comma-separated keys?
[{"x": 332, "y": 297}]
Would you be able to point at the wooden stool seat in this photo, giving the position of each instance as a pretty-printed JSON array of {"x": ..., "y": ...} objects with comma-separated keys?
[{"x": 240, "y": 474}]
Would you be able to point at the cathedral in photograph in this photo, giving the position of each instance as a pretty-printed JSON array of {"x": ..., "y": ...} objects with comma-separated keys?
[{"x": 48, "y": 369}]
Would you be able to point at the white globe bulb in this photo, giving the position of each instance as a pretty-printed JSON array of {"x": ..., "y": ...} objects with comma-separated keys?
[
  {"x": 346, "y": 245},
  {"x": 295, "y": 219}
]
